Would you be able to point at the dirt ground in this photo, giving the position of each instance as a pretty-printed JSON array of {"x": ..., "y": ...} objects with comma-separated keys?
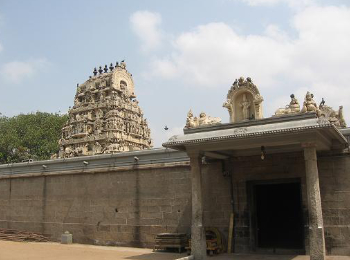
[{"x": 55, "y": 251}]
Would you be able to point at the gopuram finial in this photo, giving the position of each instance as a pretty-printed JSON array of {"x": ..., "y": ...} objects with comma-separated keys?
[
  {"x": 106, "y": 69},
  {"x": 100, "y": 70},
  {"x": 111, "y": 67},
  {"x": 123, "y": 64},
  {"x": 95, "y": 71}
]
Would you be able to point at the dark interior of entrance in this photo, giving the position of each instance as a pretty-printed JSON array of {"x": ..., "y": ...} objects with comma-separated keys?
[{"x": 279, "y": 216}]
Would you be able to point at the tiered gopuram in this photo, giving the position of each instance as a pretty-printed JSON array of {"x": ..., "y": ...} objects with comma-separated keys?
[{"x": 106, "y": 117}]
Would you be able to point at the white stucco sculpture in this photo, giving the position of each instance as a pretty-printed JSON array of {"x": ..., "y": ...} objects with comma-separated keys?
[
  {"x": 244, "y": 101},
  {"x": 325, "y": 113},
  {"x": 192, "y": 122},
  {"x": 292, "y": 108}
]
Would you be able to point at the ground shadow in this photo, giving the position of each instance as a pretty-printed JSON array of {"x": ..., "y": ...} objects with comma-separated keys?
[
  {"x": 158, "y": 256},
  {"x": 172, "y": 256}
]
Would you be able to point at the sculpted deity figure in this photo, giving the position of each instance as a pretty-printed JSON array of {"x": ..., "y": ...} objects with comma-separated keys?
[
  {"x": 99, "y": 113},
  {"x": 191, "y": 121},
  {"x": 245, "y": 105},
  {"x": 102, "y": 97},
  {"x": 97, "y": 148},
  {"x": 227, "y": 104},
  {"x": 293, "y": 107},
  {"x": 98, "y": 126},
  {"x": 203, "y": 119},
  {"x": 333, "y": 118},
  {"x": 123, "y": 64},
  {"x": 309, "y": 104},
  {"x": 148, "y": 133},
  {"x": 61, "y": 141},
  {"x": 89, "y": 130},
  {"x": 342, "y": 122},
  {"x": 294, "y": 104},
  {"x": 77, "y": 102},
  {"x": 68, "y": 152}
]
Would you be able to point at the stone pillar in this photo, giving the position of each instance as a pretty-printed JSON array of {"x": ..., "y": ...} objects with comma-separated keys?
[
  {"x": 316, "y": 235},
  {"x": 198, "y": 241}
]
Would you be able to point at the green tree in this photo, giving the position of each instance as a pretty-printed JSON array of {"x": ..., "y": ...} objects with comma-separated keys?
[{"x": 31, "y": 136}]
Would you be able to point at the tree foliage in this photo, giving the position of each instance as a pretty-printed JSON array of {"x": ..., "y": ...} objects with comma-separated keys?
[{"x": 31, "y": 136}]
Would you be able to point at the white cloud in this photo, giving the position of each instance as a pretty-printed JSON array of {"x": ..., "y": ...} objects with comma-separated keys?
[
  {"x": 17, "y": 71},
  {"x": 214, "y": 53},
  {"x": 317, "y": 59},
  {"x": 146, "y": 26}
]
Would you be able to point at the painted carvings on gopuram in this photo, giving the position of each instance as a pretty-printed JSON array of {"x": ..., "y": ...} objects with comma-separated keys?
[
  {"x": 106, "y": 117},
  {"x": 325, "y": 113}
]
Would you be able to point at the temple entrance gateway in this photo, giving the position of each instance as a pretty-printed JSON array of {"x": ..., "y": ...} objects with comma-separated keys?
[{"x": 278, "y": 216}]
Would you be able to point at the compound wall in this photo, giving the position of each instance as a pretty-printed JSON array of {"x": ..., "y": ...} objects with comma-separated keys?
[
  {"x": 118, "y": 200},
  {"x": 117, "y": 205}
]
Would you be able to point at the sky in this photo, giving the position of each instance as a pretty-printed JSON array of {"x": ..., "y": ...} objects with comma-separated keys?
[{"x": 183, "y": 54}]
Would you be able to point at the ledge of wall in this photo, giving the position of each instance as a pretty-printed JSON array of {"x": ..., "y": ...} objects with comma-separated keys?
[{"x": 158, "y": 157}]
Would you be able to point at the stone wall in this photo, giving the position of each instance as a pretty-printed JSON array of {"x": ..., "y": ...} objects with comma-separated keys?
[
  {"x": 335, "y": 196},
  {"x": 117, "y": 207},
  {"x": 128, "y": 203},
  {"x": 216, "y": 198}
]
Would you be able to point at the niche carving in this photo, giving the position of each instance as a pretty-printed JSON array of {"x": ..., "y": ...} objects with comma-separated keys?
[{"x": 244, "y": 101}]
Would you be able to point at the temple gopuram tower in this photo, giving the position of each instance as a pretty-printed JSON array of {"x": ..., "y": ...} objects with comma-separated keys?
[{"x": 106, "y": 117}]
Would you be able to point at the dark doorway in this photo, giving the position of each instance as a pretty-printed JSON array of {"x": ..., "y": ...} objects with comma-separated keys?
[{"x": 279, "y": 216}]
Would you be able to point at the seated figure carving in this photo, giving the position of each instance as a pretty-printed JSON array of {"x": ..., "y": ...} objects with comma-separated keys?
[
  {"x": 192, "y": 122},
  {"x": 309, "y": 103},
  {"x": 292, "y": 108},
  {"x": 325, "y": 113}
]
